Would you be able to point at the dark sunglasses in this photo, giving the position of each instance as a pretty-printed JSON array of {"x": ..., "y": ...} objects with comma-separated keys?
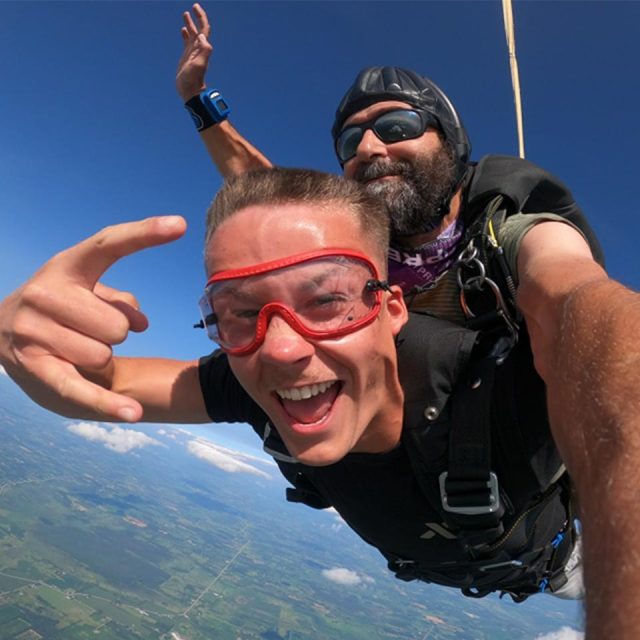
[{"x": 390, "y": 127}]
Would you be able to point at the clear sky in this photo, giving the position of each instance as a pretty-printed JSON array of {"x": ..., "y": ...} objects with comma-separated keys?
[{"x": 92, "y": 131}]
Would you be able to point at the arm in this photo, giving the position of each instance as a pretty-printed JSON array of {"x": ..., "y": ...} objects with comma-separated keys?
[
  {"x": 583, "y": 326},
  {"x": 231, "y": 153},
  {"x": 57, "y": 332},
  {"x": 168, "y": 390}
]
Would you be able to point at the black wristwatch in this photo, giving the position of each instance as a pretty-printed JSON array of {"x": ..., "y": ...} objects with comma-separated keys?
[{"x": 207, "y": 108}]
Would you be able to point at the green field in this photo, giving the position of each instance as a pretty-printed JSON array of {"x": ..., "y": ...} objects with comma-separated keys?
[{"x": 96, "y": 545}]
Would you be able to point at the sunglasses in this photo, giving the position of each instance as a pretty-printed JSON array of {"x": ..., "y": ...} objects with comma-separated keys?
[
  {"x": 321, "y": 295},
  {"x": 390, "y": 127}
]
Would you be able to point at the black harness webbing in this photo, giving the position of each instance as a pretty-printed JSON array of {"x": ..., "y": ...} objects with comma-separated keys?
[{"x": 469, "y": 488}]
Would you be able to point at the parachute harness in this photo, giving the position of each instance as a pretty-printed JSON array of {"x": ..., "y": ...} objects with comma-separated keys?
[{"x": 472, "y": 278}]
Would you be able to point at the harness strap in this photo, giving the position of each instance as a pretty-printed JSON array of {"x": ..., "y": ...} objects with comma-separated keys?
[
  {"x": 519, "y": 576},
  {"x": 469, "y": 489},
  {"x": 306, "y": 493}
]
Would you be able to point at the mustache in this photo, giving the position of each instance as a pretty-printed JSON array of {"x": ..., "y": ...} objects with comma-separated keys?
[{"x": 382, "y": 168}]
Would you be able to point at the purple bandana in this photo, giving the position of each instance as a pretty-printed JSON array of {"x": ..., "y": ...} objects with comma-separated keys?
[{"x": 419, "y": 268}]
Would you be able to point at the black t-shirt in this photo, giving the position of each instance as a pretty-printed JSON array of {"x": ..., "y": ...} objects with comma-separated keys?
[{"x": 378, "y": 495}]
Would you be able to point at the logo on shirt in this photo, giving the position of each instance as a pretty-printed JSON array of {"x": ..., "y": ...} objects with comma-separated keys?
[{"x": 434, "y": 529}]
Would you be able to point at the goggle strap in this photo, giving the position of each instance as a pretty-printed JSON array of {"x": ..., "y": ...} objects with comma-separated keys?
[{"x": 273, "y": 265}]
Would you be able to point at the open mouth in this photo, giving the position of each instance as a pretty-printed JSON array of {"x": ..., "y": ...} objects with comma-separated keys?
[
  {"x": 309, "y": 405},
  {"x": 382, "y": 178}
]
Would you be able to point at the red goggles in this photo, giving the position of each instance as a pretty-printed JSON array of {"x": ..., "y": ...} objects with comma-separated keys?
[{"x": 321, "y": 295}]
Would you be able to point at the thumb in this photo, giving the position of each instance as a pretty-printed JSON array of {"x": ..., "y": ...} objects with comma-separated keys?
[{"x": 87, "y": 261}]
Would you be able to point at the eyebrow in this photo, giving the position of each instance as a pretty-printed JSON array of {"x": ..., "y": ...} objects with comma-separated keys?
[
  {"x": 236, "y": 292},
  {"x": 304, "y": 286}
]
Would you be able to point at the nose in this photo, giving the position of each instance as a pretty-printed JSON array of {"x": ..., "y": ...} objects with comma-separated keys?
[
  {"x": 283, "y": 344},
  {"x": 369, "y": 148}
]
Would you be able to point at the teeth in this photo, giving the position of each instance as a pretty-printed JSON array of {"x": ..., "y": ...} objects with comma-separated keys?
[{"x": 304, "y": 393}]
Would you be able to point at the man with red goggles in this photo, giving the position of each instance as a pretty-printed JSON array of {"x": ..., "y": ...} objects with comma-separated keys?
[
  {"x": 461, "y": 232},
  {"x": 353, "y": 396}
]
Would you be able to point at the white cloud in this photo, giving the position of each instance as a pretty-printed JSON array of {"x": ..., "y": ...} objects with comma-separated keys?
[
  {"x": 171, "y": 434},
  {"x": 117, "y": 439},
  {"x": 566, "y": 633},
  {"x": 223, "y": 458},
  {"x": 3, "y": 371},
  {"x": 344, "y": 577},
  {"x": 339, "y": 520}
]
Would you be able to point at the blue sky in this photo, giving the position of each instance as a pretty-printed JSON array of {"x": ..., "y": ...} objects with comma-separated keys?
[{"x": 93, "y": 133}]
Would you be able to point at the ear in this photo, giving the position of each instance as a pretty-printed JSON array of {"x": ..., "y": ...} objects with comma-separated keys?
[{"x": 397, "y": 309}]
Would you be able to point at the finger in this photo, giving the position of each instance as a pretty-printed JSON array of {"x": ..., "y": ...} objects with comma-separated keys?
[
  {"x": 203, "y": 20},
  {"x": 189, "y": 24},
  {"x": 204, "y": 46},
  {"x": 110, "y": 294},
  {"x": 185, "y": 35},
  {"x": 87, "y": 261},
  {"x": 58, "y": 341},
  {"x": 63, "y": 381},
  {"x": 126, "y": 303},
  {"x": 138, "y": 321},
  {"x": 71, "y": 306}
]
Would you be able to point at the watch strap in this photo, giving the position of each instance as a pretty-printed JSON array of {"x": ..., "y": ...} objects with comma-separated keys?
[{"x": 207, "y": 108}]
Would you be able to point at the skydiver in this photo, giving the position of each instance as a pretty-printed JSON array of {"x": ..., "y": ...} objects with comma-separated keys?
[{"x": 319, "y": 355}]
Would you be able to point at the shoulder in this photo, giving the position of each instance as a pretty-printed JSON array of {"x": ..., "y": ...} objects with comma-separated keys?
[
  {"x": 514, "y": 178},
  {"x": 527, "y": 189},
  {"x": 432, "y": 354},
  {"x": 224, "y": 397}
]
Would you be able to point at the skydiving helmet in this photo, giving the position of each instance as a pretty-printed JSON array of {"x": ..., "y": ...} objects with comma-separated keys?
[{"x": 377, "y": 84}]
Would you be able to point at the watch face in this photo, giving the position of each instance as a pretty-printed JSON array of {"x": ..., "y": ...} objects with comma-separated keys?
[
  {"x": 221, "y": 105},
  {"x": 216, "y": 105}
]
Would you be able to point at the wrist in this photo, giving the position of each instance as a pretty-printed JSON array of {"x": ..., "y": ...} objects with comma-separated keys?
[
  {"x": 207, "y": 108},
  {"x": 187, "y": 94},
  {"x": 188, "y": 90}
]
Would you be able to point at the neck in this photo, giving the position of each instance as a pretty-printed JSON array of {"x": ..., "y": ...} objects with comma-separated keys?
[
  {"x": 451, "y": 216},
  {"x": 385, "y": 430}
]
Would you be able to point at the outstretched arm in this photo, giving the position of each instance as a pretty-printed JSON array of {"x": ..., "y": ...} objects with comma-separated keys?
[
  {"x": 231, "y": 153},
  {"x": 583, "y": 328},
  {"x": 57, "y": 332}
]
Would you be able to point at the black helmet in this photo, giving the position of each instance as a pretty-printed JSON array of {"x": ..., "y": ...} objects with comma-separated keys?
[{"x": 376, "y": 84}]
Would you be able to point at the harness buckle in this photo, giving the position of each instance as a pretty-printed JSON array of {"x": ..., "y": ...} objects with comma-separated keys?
[
  {"x": 493, "y": 498},
  {"x": 478, "y": 280},
  {"x": 502, "y": 565}
]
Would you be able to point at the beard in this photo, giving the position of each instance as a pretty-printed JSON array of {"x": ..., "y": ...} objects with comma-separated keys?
[{"x": 417, "y": 202}]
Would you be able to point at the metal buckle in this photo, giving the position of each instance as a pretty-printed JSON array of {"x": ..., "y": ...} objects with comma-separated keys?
[
  {"x": 502, "y": 565},
  {"x": 469, "y": 259},
  {"x": 494, "y": 497}
]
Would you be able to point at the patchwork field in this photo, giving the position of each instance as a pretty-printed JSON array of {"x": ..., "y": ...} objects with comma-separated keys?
[{"x": 156, "y": 544}]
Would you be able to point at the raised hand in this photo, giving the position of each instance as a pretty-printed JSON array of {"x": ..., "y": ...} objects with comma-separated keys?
[
  {"x": 192, "y": 67},
  {"x": 58, "y": 329}
]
